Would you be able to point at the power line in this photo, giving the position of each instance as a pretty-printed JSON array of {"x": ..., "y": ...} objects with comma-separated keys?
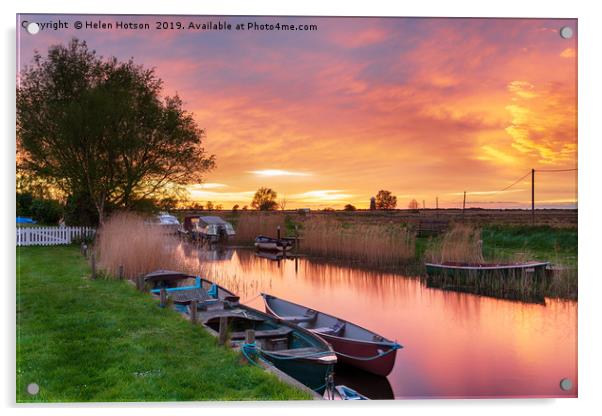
[
  {"x": 513, "y": 183},
  {"x": 555, "y": 170}
]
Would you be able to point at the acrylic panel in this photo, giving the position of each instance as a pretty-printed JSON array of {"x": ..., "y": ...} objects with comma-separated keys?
[{"x": 284, "y": 208}]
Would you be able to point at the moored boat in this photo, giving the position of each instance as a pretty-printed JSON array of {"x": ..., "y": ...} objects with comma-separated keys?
[
  {"x": 273, "y": 244},
  {"x": 354, "y": 345},
  {"x": 457, "y": 269},
  {"x": 293, "y": 350}
]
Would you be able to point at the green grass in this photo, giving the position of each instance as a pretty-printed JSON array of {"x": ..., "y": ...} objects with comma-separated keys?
[
  {"x": 558, "y": 245},
  {"x": 100, "y": 340}
]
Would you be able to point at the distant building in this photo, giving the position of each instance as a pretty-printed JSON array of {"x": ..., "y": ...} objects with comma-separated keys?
[{"x": 372, "y": 203}]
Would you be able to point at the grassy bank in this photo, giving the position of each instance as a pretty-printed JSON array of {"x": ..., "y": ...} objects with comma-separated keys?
[{"x": 83, "y": 340}]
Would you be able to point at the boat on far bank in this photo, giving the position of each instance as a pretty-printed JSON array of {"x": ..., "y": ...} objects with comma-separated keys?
[
  {"x": 354, "y": 345},
  {"x": 273, "y": 244},
  {"x": 458, "y": 269}
]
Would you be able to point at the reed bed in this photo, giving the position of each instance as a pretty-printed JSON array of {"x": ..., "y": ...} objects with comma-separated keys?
[
  {"x": 250, "y": 225},
  {"x": 461, "y": 243},
  {"x": 125, "y": 240},
  {"x": 371, "y": 244}
]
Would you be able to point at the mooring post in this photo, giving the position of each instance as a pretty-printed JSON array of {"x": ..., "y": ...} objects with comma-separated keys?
[
  {"x": 249, "y": 336},
  {"x": 163, "y": 297},
  {"x": 193, "y": 310},
  {"x": 121, "y": 272},
  {"x": 223, "y": 329},
  {"x": 296, "y": 238},
  {"x": 140, "y": 283},
  {"x": 93, "y": 264}
]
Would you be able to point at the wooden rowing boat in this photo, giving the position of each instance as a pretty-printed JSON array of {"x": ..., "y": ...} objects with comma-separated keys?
[
  {"x": 273, "y": 244},
  {"x": 456, "y": 269},
  {"x": 354, "y": 345},
  {"x": 291, "y": 349}
]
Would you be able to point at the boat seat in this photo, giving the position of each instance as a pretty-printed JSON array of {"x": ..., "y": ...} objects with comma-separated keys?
[
  {"x": 335, "y": 329},
  {"x": 267, "y": 333},
  {"x": 297, "y": 351},
  {"x": 310, "y": 315}
]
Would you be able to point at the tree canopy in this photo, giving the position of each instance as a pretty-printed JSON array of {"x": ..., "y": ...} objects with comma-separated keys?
[
  {"x": 265, "y": 199},
  {"x": 385, "y": 200},
  {"x": 101, "y": 128}
]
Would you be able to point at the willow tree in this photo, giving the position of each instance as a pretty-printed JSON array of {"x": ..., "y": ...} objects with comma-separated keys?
[{"x": 102, "y": 128}]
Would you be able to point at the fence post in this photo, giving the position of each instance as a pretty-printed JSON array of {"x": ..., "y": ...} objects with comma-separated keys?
[{"x": 120, "y": 272}]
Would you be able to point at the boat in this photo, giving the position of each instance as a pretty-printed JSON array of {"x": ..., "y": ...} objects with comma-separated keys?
[
  {"x": 347, "y": 393},
  {"x": 457, "y": 269},
  {"x": 166, "y": 222},
  {"x": 273, "y": 244},
  {"x": 169, "y": 280},
  {"x": 209, "y": 229},
  {"x": 291, "y": 349},
  {"x": 354, "y": 345}
]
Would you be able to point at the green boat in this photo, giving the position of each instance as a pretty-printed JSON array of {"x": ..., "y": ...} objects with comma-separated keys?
[{"x": 295, "y": 351}]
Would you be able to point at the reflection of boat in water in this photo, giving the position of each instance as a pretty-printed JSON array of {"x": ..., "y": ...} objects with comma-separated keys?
[
  {"x": 270, "y": 255},
  {"x": 273, "y": 244},
  {"x": 354, "y": 345},
  {"x": 369, "y": 385}
]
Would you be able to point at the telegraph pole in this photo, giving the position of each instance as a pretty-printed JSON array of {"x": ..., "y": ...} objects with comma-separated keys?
[{"x": 533, "y": 195}]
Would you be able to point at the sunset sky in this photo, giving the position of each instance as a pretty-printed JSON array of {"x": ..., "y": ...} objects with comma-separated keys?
[{"x": 425, "y": 108}]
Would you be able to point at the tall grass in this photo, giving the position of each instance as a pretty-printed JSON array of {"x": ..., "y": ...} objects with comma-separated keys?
[
  {"x": 250, "y": 225},
  {"x": 461, "y": 243},
  {"x": 372, "y": 244},
  {"x": 125, "y": 240}
]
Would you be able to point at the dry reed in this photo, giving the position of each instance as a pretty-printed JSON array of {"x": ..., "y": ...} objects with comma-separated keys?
[
  {"x": 372, "y": 244},
  {"x": 125, "y": 240},
  {"x": 461, "y": 243},
  {"x": 250, "y": 225}
]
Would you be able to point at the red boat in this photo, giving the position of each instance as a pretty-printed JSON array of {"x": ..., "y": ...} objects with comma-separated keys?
[{"x": 352, "y": 344}]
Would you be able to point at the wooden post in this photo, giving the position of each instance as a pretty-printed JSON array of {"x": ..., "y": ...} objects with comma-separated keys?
[
  {"x": 533, "y": 195},
  {"x": 140, "y": 283},
  {"x": 296, "y": 264},
  {"x": 223, "y": 330},
  {"x": 121, "y": 272},
  {"x": 278, "y": 232},
  {"x": 249, "y": 336},
  {"x": 93, "y": 264},
  {"x": 193, "y": 310},
  {"x": 423, "y": 204},
  {"x": 163, "y": 297},
  {"x": 464, "y": 203},
  {"x": 437, "y": 202},
  {"x": 296, "y": 238}
]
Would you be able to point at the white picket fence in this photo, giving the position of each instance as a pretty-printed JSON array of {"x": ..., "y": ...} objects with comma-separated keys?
[{"x": 51, "y": 236}]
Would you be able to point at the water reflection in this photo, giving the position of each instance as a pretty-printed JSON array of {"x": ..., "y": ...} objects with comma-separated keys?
[{"x": 455, "y": 344}]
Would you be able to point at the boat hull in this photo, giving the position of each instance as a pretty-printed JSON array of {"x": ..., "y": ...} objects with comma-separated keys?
[
  {"x": 504, "y": 271},
  {"x": 375, "y": 357},
  {"x": 311, "y": 373},
  {"x": 344, "y": 348},
  {"x": 272, "y": 247}
]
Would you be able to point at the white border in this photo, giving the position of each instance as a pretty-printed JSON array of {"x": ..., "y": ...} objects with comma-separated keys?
[{"x": 590, "y": 134}]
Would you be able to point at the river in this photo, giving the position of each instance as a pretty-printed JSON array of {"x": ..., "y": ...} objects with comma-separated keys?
[{"x": 455, "y": 345}]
